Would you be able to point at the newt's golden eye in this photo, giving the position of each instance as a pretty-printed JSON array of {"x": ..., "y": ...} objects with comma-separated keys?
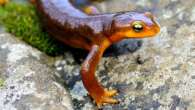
[{"x": 137, "y": 26}]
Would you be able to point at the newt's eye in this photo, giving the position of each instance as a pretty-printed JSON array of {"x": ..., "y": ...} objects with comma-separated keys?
[{"x": 137, "y": 26}]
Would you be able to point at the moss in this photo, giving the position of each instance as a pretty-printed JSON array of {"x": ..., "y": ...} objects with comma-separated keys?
[
  {"x": 1, "y": 82},
  {"x": 22, "y": 21}
]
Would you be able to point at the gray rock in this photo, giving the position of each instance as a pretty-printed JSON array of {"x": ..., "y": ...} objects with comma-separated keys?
[{"x": 28, "y": 83}]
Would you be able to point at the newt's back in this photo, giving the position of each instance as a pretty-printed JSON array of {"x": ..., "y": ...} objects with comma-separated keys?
[
  {"x": 67, "y": 23},
  {"x": 77, "y": 29}
]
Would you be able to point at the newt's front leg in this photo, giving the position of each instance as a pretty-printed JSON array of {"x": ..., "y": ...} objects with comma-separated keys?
[{"x": 96, "y": 91}]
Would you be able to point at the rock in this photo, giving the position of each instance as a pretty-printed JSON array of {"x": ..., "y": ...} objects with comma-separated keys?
[
  {"x": 165, "y": 78},
  {"x": 28, "y": 83}
]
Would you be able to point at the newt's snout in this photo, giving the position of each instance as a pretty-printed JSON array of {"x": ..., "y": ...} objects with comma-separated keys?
[{"x": 155, "y": 26}]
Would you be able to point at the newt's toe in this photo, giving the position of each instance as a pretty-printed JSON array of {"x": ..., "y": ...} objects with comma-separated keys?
[
  {"x": 111, "y": 92},
  {"x": 106, "y": 98}
]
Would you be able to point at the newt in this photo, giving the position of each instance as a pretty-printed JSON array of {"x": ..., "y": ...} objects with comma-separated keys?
[{"x": 94, "y": 33}]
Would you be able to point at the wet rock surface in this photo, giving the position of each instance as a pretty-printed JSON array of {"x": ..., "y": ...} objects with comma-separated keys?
[{"x": 27, "y": 83}]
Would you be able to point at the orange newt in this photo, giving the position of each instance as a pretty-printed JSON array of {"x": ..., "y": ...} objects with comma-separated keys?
[{"x": 95, "y": 33}]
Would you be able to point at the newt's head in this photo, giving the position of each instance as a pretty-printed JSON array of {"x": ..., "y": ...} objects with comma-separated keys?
[{"x": 134, "y": 25}]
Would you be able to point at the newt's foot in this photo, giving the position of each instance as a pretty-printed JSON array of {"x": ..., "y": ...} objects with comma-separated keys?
[{"x": 106, "y": 98}]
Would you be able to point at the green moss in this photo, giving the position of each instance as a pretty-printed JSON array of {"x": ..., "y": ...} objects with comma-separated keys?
[
  {"x": 22, "y": 21},
  {"x": 1, "y": 82}
]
